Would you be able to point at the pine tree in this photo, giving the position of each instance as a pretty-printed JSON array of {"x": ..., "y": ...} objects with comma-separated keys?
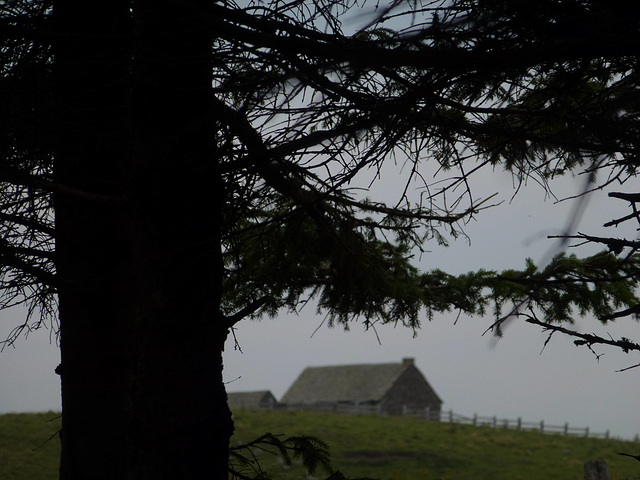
[{"x": 172, "y": 167}]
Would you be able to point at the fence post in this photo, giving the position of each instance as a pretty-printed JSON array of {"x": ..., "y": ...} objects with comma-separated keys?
[
  {"x": 596, "y": 470},
  {"x": 566, "y": 428},
  {"x": 474, "y": 422},
  {"x": 586, "y": 432},
  {"x": 519, "y": 423},
  {"x": 542, "y": 426},
  {"x": 495, "y": 422},
  {"x": 450, "y": 416}
]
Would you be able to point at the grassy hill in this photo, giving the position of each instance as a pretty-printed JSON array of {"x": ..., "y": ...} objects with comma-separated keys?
[
  {"x": 29, "y": 446},
  {"x": 362, "y": 446}
]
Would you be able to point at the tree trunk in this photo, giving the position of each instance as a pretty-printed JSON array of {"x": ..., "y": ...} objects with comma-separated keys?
[
  {"x": 596, "y": 470},
  {"x": 138, "y": 243}
]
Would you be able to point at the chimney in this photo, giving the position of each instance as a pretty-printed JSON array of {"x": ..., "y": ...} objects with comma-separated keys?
[{"x": 407, "y": 361}]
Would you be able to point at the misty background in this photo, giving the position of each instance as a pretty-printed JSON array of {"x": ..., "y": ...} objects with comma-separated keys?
[{"x": 472, "y": 371}]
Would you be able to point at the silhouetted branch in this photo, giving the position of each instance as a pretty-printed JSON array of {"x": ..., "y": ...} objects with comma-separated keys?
[
  {"x": 618, "y": 221},
  {"x": 30, "y": 223},
  {"x": 634, "y": 310},
  {"x": 418, "y": 214},
  {"x": 38, "y": 182},
  {"x": 8, "y": 258},
  {"x": 587, "y": 339},
  {"x": 615, "y": 244},
  {"x": 630, "y": 197},
  {"x": 246, "y": 311},
  {"x": 633, "y": 198}
]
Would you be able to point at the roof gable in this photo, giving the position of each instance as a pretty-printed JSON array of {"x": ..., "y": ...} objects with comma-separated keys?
[
  {"x": 417, "y": 383},
  {"x": 362, "y": 383},
  {"x": 250, "y": 399}
]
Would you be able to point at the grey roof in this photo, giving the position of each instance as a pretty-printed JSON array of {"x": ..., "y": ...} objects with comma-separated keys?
[
  {"x": 249, "y": 399},
  {"x": 360, "y": 383}
]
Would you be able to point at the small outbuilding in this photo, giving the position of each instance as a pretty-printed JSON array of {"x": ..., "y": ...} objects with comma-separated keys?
[
  {"x": 390, "y": 388},
  {"x": 251, "y": 400}
]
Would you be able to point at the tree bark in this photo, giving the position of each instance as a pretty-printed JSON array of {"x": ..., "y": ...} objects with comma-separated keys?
[
  {"x": 596, "y": 470},
  {"x": 138, "y": 247},
  {"x": 93, "y": 251}
]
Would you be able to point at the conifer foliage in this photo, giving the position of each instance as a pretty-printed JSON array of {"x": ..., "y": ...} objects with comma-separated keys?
[{"x": 168, "y": 168}]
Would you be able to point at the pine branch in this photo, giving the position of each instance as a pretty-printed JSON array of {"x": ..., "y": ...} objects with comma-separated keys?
[
  {"x": 31, "y": 224},
  {"x": 633, "y": 310},
  {"x": 630, "y": 197},
  {"x": 409, "y": 213},
  {"x": 618, "y": 221},
  {"x": 263, "y": 32},
  {"x": 21, "y": 178},
  {"x": 615, "y": 244},
  {"x": 313, "y": 453},
  {"x": 587, "y": 339},
  {"x": 9, "y": 258},
  {"x": 248, "y": 310}
]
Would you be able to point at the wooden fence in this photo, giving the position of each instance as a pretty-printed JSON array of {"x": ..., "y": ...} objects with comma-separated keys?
[
  {"x": 451, "y": 417},
  {"x": 519, "y": 424}
]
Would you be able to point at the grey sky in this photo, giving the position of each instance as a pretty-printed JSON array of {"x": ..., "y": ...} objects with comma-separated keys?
[{"x": 472, "y": 373}]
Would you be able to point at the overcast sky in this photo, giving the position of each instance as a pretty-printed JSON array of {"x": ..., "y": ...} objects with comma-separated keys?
[
  {"x": 475, "y": 374},
  {"x": 472, "y": 373}
]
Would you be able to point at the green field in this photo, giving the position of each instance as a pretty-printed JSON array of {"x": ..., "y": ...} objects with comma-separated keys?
[
  {"x": 364, "y": 446},
  {"x": 29, "y": 446}
]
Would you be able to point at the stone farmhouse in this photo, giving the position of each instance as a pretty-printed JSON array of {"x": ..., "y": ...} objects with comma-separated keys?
[
  {"x": 386, "y": 389},
  {"x": 251, "y": 400}
]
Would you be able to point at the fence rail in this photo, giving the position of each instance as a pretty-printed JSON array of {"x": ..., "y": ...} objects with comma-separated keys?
[
  {"x": 451, "y": 417},
  {"x": 519, "y": 424}
]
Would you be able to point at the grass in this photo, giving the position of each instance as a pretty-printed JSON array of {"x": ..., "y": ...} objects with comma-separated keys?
[
  {"x": 363, "y": 446},
  {"x": 406, "y": 448},
  {"x": 29, "y": 446}
]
